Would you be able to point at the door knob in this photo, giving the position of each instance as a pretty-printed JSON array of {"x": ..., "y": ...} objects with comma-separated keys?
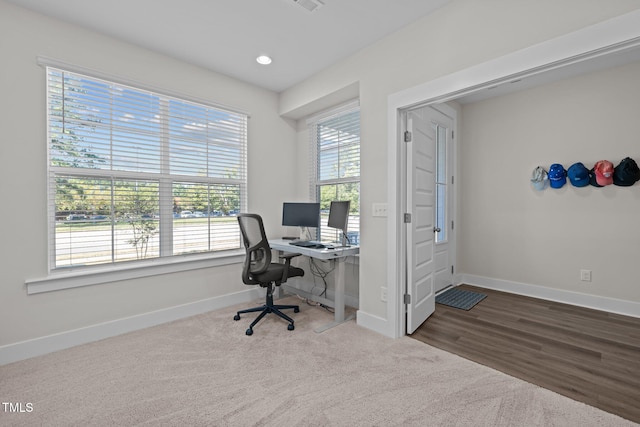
[{"x": 436, "y": 229}]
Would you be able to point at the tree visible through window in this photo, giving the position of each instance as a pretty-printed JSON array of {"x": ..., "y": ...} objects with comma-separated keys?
[{"x": 136, "y": 175}]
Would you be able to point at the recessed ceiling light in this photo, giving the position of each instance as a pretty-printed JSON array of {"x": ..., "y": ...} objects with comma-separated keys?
[
  {"x": 309, "y": 5},
  {"x": 263, "y": 59}
]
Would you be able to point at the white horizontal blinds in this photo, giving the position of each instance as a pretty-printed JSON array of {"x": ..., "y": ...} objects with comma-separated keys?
[
  {"x": 82, "y": 234},
  {"x": 339, "y": 146},
  {"x": 206, "y": 218},
  {"x": 207, "y": 142},
  {"x": 226, "y": 201},
  {"x": 98, "y": 125},
  {"x": 191, "y": 231},
  {"x": 336, "y": 146},
  {"x": 125, "y": 162},
  {"x": 208, "y": 145},
  {"x": 101, "y": 220}
]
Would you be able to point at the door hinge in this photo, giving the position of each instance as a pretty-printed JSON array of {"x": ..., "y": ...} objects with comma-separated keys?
[
  {"x": 452, "y": 269},
  {"x": 452, "y": 180},
  {"x": 452, "y": 224},
  {"x": 452, "y": 135},
  {"x": 407, "y": 136},
  {"x": 407, "y": 299},
  {"x": 407, "y": 218}
]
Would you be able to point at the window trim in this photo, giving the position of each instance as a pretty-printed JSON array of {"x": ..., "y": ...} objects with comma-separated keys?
[{"x": 89, "y": 276}]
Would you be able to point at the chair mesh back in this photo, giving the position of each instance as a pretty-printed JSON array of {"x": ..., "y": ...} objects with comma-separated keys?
[
  {"x": 256, "y": 245},
  {"x": 251, "y": 230}
]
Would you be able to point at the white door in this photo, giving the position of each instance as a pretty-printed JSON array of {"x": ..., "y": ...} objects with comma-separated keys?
[{"x": 427, "y": 261}]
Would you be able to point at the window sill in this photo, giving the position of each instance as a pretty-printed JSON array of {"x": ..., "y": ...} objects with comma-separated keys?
[{"x": 66, "y": 280}]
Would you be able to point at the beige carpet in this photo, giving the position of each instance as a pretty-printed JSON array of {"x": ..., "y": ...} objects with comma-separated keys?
[{"x": 205, "y": 371}]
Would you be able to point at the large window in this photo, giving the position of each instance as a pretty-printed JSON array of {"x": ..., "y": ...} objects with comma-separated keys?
[
  {"x": 136, "y": 175},
  {"x": 335, "y": 142}
]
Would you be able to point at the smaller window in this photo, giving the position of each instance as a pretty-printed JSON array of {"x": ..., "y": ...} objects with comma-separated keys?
[{"x": 335, "y": 144}]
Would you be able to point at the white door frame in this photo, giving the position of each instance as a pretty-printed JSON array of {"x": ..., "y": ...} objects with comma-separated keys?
[{"x": 613, "y": 35}]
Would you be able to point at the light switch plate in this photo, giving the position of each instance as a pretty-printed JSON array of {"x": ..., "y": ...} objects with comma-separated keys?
[{"x": 380, "y": 209}]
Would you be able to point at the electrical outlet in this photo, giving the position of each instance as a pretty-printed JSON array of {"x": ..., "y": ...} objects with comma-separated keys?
[
  {"x": 379, "y": 209},
  {"x": 585, "y": 275},
  {"x": 383, "y": 294}
]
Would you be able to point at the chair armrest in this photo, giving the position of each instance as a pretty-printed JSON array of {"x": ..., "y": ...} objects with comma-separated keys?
[{"x": 287, "y": 257}]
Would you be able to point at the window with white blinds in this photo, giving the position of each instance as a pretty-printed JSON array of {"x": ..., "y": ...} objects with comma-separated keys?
[
  {"x": 136, "y": 175},
  {"x": 335, "y": 144}
]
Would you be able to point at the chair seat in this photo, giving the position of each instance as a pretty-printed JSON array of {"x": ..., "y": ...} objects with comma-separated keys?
[{"x": 274, "y": 273}]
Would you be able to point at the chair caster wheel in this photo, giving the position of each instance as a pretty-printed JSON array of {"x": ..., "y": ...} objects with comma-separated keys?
[
  {"x": 296, "y": 310},
  {"x": 236, "y": 317},
  {"x": 291, "y": 327},
  {"x": 249, "y": 331}
]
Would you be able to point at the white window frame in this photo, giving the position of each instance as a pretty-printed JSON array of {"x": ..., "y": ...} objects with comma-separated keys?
[{"x": 108, "y": 272}]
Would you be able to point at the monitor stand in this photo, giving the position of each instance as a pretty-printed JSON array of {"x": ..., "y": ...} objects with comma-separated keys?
[{"x": 344, "y": 241}]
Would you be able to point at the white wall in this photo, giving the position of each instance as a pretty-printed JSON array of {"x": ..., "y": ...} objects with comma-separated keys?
[
  {"x": 514, "y": 233},
  {"x": 23, "y": 223},
  {"x": 461, "y": 34}
]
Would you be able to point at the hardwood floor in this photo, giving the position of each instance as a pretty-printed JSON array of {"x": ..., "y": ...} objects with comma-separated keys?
[{"x": 588, "y": 355}]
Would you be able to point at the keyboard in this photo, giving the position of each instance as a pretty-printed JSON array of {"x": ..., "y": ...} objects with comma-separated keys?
[{"x": 308, "y": 244}]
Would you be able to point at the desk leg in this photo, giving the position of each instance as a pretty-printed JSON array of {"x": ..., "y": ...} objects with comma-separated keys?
[
  {"x": 338, "y": 297},
  {"x": 340, "y": 289}
]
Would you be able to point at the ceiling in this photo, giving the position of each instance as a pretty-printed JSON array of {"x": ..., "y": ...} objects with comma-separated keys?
[{"x": 226, "y": 36}]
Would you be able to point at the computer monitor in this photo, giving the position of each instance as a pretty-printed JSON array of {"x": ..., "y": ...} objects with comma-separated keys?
[
  {"x": 339, "y": 216},
  {"x": 301, "y": 214}
]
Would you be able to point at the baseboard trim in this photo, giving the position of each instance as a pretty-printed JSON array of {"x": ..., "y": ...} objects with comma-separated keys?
[
  {"x": 38, "y": 346},
  {"x": 596, "y": 302},
  {"x": 375, "y": 323}
]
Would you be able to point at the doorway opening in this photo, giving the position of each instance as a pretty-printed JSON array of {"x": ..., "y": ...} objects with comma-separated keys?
[{"x": 583, "y": 49}]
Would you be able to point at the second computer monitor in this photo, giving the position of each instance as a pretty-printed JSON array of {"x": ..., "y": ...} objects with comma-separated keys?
[{"x": 339, "y": 215}]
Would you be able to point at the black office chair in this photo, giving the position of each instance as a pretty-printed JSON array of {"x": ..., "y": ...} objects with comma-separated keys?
[{"x": 259, "y": 270}]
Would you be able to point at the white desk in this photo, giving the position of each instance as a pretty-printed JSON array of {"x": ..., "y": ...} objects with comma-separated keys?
[{"x": 337, "y": 254}]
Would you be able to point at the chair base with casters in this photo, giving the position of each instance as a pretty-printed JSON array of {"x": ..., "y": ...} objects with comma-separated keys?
[{"x": 269, "y": 307}]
